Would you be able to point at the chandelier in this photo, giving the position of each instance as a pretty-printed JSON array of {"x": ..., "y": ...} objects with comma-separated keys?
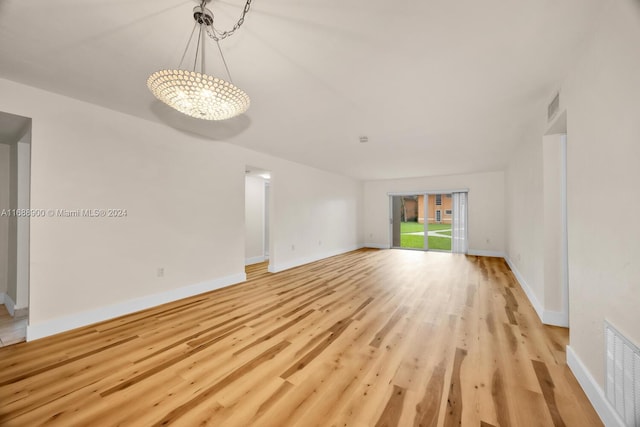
[{"x": 193, "y": 92}]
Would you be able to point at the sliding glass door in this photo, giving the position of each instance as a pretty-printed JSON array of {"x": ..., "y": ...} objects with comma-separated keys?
[
  {"x": 439, "y": 222},
  {"x": 429, "y": 221},
  {"x": 406, "y": 225}
]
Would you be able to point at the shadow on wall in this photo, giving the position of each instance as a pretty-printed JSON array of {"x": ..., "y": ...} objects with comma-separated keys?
[{"x": 217, "y": 130}]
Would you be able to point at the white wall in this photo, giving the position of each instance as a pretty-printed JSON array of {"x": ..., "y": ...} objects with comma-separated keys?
[
  {"x": 315, "y": 214},
  {"x": 486, "y": 207},
  {"x": 534, "y": 224},
  {"x": 552, "y": 148},
  {"x": 182, "y": 195},
  {"x": 254, "y": 210},
  {"x": 525, "y": 219},
  {"x": 602, "y": 101},
  {"x": 602, "y": 98},
  {"x": 5, "y": 161}
]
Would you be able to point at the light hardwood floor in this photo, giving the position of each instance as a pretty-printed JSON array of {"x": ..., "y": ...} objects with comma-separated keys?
[{"x": 369, "y": 338}]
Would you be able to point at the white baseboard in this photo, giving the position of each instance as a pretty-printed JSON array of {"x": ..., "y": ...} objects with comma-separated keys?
[
  {"x": 537, "y": 306},
  {"x": 548, "y": 317},
  {"x": 593, "y": 391},
  {"x": 10, "y": 304},
  {"x": 62, "y": 324},
  {"x": 255, "y": 260},
  {"x": 276, "y": 268},
  {"x": 555, "y": 318},
  {"x": 375, "y": 246},
  {"x": 481, "y": 252}
]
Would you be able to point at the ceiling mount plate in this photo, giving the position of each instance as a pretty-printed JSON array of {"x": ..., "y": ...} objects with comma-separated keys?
[{"x": 202, "y": 15}]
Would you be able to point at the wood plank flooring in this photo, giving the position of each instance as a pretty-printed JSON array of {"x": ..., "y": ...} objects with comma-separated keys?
[{"x": 368, "y": 338}]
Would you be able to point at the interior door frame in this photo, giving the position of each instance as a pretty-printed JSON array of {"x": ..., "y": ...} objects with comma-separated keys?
[{"x": 564, "y": 228}]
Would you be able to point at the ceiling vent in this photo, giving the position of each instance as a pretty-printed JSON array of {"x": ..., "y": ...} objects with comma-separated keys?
[
  {"x": 553, "y": 107},
  {"x": 364, "y": 139}
]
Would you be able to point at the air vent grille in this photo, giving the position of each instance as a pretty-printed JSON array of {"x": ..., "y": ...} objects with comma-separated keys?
[{"x": 623, "y": 376}]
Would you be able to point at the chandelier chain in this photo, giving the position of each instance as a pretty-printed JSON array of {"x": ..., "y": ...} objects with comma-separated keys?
[{"x": 221, "y": 35}]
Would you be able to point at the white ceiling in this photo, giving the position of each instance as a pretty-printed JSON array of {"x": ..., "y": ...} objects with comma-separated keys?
[{"x": 439, "y": 87}]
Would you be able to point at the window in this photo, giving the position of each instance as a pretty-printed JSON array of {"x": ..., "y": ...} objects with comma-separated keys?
[
  {"x": 438, "y": 216},
  {"x": 438, "y": 199},
  {"x": 447, "y": 211},
  {"x": 448, "y": 196}
]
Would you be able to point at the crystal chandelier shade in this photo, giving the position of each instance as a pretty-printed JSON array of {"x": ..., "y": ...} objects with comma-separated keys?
[{"x": 198, "y": 94}]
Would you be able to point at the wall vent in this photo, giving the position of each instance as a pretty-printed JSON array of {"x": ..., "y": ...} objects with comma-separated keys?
[
  {"x": 553, "y": 107},
  {"x": 622, "y": 375}
]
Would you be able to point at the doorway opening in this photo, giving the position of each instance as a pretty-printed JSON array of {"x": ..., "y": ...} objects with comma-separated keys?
[
  {"x": 15, "y": 216},
  {"x": 556, "y": 254},
  {"x": 257, "y": 218}
]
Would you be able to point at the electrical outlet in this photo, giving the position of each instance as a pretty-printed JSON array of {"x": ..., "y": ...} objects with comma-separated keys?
[
  {"x": 293, "y": 247},
  {"x": 371, "y": 235},
  {"x": 319, "y": 242},
  {"x": 160, "y": 272}
]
